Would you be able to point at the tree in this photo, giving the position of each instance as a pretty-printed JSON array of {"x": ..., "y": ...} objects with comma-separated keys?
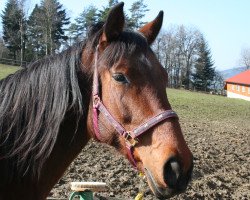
[
  {"x": 176, "y": 51},
  {"x": 46, "y": 29},
  {"x": 73, "y": 34},
  {"x": 245, "y": 57},
  {"x": 88, "y": 17},
  {"x": 167, "y": 52},
  {"x": 91, "y": 15},
  {"x": 188, "y": 40},
  {"x": 102, "y": 14},
  {"x": 23, "y": 27},
  {"x": 204, "y": 71},
  {"x": 4, "y": 52},
  {"x": 13, "y": 27},
  {"x": 54, "y": 19},
  {"x": 138, "y": 10},
  {"x": 35, "y": 44},
  {"x": 218, "y": 83}
]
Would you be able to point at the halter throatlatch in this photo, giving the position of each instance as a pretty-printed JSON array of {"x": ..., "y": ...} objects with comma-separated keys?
[{"x": 131, "y": 137}]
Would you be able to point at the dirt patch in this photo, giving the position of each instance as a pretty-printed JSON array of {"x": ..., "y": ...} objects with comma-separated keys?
[{"x": 221, "y": 160}]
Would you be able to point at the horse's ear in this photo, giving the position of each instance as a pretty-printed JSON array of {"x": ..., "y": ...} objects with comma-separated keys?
[
  {"x": 151, "y": 29},
  {"x": 113, "y": 25}
]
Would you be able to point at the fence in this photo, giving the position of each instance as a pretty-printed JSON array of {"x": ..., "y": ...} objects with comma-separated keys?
[{"x": 12, "y": 62}]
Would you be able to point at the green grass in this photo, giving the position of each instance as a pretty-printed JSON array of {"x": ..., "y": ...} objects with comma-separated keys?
[
  {"x": 193, "y": 106},
  {"x": 5, "y": 70}
]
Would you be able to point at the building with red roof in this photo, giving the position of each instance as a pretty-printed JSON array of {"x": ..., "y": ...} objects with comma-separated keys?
[{"x": 238, "y": 86}]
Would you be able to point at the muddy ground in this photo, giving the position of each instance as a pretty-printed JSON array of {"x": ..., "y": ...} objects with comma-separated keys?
[{"x": 221, "y": 164}]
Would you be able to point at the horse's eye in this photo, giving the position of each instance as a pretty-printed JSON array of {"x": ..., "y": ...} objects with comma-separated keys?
[{"x": 120, "y": 78}]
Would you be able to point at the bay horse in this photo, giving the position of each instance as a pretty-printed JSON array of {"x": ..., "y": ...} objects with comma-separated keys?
[{"x": 100, "y": 88}]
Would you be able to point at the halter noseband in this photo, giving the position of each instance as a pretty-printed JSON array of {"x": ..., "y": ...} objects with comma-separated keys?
[{"x": 130, "y": 136}]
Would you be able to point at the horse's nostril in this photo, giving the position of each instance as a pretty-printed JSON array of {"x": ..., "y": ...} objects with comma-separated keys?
[
  {"x": 174, "y": 177},
  {"x": 172, "y": 172}
]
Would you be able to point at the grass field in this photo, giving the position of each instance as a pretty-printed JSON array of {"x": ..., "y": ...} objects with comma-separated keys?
[
  {"x": 198, "y": 106},
  {"x": 6, "y": 70}
]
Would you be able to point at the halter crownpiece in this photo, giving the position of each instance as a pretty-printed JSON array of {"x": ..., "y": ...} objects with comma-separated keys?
[{"x": 131, "y": 137}]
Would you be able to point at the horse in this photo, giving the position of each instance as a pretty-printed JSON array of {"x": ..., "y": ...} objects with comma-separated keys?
[{"x": 110, "y": 87}]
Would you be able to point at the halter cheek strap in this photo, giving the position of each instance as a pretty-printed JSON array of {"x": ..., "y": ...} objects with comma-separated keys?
[{"x": 131, "y": 137}]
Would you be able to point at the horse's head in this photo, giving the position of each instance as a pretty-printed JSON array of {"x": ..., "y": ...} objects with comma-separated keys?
[{"x": 132, "y": 89}]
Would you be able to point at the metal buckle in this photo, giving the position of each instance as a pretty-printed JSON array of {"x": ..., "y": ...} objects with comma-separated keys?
[{"x": 130, "y": 140}]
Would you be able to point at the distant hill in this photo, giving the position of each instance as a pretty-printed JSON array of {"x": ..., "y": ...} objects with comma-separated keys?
[{"x": 232, "y": 72}]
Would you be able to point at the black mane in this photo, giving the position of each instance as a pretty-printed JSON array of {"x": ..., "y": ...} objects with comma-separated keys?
[{"x": 33, "y": 104}]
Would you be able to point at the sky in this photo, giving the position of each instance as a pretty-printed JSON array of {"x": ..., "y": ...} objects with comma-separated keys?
[{"x": 224, "y": 23}]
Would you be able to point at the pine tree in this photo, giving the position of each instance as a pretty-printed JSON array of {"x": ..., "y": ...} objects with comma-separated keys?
[
  {"x": 73, "y": 33},
  {"x": 13, "y": 20},
  {"x": 204, "y": 70},
  {"x": 61, "y": 21},
  {"x": 23, "y": 30},
  {"x": 54, "y": 19},
  {"x": 88, "y": 17},
  {"x": 35, "y": 44},
  {"x": 138, "y": 10},
  {"x": 4, "y": 52},
  {"x": 103, "y": 14}
]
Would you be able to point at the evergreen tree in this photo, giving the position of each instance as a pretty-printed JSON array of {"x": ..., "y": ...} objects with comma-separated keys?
[
  {"x": 92, "y": 15},
  {"x": 102, "y": 15},
  {"x": 4, "y": 52},
  {"x": 138, "y": 10},
  {"x": 88, "y": 17},
  {"x": 23, "y": 30},
  {"x": 13, "y": 27},
  {"x": 61, "y": 21},
  {"x": 54, "y": 19},
  {"x": 204, "y": 70},
  {"x": 35, "y": 44},
  {"x": 73, "y": 33}
]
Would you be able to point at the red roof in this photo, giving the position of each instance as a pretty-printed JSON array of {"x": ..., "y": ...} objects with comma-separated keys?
[{"x": 242, "y": 78}]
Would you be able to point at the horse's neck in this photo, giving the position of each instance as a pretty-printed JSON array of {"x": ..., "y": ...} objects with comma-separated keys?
[
  {"x": 68, "y": 146},
  {"x": 69, "y": 143},
  {"x": 65, "y": 151}
]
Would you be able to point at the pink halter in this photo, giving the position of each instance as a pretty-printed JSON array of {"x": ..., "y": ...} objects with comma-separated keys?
[{"x": 131, "y": 137}]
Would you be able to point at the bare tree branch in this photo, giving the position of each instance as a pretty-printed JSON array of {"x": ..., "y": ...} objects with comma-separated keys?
[{"x": 245, "y": 58}]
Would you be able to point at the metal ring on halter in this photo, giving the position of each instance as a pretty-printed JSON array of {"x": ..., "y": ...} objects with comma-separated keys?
[{"x": 129, "y": 139}]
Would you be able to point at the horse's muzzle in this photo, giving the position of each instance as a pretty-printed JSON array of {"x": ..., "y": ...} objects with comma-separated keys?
[{"x": 174, "y": 178}]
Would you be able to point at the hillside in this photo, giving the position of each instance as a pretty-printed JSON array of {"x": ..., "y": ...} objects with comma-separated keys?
[{"x": 201, "y": 107}]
